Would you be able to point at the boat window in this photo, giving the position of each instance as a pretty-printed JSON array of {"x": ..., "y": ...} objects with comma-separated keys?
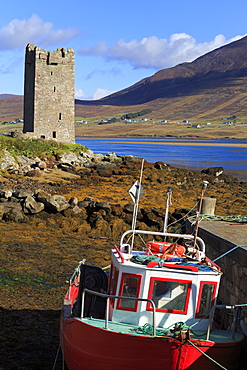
[
  {"x": 169, "y": 295},
  {"x": 113, "y": 282},
  {"x": 206, "y": 298},
  {"x": 130, "y": 287}
]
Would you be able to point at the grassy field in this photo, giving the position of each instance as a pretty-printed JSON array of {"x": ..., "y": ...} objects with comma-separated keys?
[
  {"x": 152, "y": 129},
  {"x": 170, "y": 129}
]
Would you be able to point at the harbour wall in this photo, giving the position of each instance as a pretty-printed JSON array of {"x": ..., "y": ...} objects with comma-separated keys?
[{"x": 220, "y": 237}]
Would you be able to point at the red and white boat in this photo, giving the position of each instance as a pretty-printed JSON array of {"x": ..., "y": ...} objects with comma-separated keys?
[{"x": 155, "y": 310}]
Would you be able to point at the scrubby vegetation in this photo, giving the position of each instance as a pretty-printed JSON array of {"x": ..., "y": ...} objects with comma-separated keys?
[
  {"x": 37, "y": 147},
  {"x": 136, "y": 114},
  {"x": 126, "y": 116}
]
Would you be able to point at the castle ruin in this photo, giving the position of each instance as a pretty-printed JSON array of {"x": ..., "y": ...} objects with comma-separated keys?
[{"x": 49, "y": 94}]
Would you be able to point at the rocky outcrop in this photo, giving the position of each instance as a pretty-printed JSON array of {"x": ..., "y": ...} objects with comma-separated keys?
[
  {"x": 33, "y": 202},
  {"x": 68, "y": 162},
  {"x": 31, "y": 206},
  {"x": 7, "y": 161},
  {"x": 215, "y": 171},
  {"x": 11, "y": 211},
  {"x": 98, "y": 216}
]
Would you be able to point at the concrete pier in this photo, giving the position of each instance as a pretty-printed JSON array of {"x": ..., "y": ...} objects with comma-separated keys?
[{"x": 220, "y": 237}]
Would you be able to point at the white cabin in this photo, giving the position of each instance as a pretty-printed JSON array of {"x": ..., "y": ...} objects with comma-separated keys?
[{"x": 181, "y": 291}]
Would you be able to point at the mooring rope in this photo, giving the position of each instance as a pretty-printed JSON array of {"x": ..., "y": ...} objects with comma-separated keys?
[
  {"x": 55, "y": 361},
  {"x": 147, "y": 329},
  {"x": 210, "y": 358},
  {"x": 235, "y": 218}
]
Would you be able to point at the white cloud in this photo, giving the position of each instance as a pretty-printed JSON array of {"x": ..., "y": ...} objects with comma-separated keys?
[
  {"x": 101, "y": 93},
  {"x": 152, "y": 52},
  {"x": 18, "y": 33},
  {"x": 98, "y": 94},
  {"x": 79, "y": 94}
]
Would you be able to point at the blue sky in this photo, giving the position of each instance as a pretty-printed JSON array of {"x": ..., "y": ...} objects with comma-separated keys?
[{"x": 116, "y": 42}]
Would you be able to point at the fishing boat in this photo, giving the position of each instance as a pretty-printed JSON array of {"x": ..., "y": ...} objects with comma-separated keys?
[{"x": 155, "y": 309}]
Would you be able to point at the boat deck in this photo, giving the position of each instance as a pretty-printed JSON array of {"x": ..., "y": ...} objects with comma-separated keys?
[{"x": 218, "y": 336}]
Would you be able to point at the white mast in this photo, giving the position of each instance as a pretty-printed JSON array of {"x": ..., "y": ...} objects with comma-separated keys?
[
  {"x": 168, "y": 203},
  {"x": 204, "y": 185},
  {"x": 136, "y": 194}
]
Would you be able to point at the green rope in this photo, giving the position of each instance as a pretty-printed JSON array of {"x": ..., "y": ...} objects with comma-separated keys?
[
  {"x": 147, "y": 329},
  {"x": 197, "y": 322},
  {"x": 235, "y": 218},
  {"x": 210, "y": 358}
]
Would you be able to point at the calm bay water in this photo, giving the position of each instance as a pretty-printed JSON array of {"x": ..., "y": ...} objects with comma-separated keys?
[{"x": 197, "y": 154}]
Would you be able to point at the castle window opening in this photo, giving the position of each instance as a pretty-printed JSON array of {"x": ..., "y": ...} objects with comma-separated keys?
[
  {"x": 60, "y": 116},
  {"x": 54, "y": 88},
  {"x": 51, "y": 73},
  {"x": 54, "y": 134},
  {"x": 42, "y": 136}
]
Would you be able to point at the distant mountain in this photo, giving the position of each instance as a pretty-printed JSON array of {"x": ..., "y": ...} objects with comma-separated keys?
[
  {"x": 11, "y": 107},
  {"x": 213, "y": 86},
  {"x": 216, "y": 69},
  {"x": 5, "y": 96}
]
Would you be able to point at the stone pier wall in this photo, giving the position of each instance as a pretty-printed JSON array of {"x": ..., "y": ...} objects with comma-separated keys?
[{"x": 219, "y": 238}]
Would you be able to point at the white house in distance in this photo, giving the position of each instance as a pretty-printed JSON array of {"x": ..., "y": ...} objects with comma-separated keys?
[{"x": 82, "y": 122}]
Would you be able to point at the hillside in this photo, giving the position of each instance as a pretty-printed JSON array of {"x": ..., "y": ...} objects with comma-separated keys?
[
  {"x": 11, "y": 107},
  {"x": 211, "y": 88},
  {"x": 217, "y": 69}
]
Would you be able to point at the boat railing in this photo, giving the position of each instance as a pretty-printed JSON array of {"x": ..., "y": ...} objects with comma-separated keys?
[
  {"x": 236, "y": 313},
  {"x": 188, "y": 237},
  {"x": 109, "y": 296},
  {"x": 119, "y": 253}
]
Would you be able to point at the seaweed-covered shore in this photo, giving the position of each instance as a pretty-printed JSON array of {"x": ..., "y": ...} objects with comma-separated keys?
[{"x": 40, "y": 251}]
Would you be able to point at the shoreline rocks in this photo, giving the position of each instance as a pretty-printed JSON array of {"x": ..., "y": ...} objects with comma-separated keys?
[
  {"x": 96, "y": 218},
  {"x": 27, "y": 198},
  {"x": 22, "y": 165}
]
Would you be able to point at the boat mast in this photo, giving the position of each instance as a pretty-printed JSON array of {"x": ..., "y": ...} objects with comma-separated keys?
[
  {"x": 198, "y": 213},
  {"x": 168, "y": 203},
  {"x": 136, "y": 204}
]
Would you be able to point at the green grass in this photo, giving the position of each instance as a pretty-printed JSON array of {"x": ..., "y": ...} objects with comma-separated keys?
[
  {"x": 37, "y": 147},
  {"x": 37, "y": 282},
  {"x": 11, "y": 127}
]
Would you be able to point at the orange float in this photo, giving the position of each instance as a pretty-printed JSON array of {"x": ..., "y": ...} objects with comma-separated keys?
[{"x": 164, "y": 249}]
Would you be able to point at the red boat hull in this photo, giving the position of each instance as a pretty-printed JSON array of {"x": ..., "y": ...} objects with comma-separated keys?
[{"x": 91, "y": 348}]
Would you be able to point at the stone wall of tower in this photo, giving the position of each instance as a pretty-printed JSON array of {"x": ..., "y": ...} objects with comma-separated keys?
[{"x": 49, "y": 94}]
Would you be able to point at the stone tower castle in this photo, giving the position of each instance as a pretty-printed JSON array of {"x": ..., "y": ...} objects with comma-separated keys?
[{"x": 49, "y": 94}]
